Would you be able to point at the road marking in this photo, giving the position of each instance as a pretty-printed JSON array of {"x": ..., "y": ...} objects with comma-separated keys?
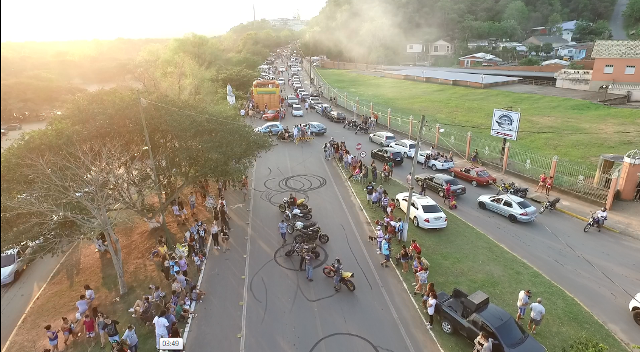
[
  {"x": 36, "y": 297},
  {"x": 246, "y": 267},
  {"x": 396, "y": 269},
  {"x": 375, "y": 273}
]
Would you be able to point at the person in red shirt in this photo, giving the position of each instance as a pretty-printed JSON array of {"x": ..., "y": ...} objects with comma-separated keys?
[
  {"x": 543, "y": 182},
  {"x": 447, "y": 191},
  {"x": 89, "y": 328},
  {"x": 415, "y": 247}
]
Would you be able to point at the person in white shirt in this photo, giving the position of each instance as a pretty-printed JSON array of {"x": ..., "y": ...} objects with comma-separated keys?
[
  {"x": 161, "y": 327},
  {"x": 431, "y": 307},
  {"x": 523, "y": 302},
  {"x": 601, "y": 215},
  {"x": 131, "y": 338},
  {"x": 88, "y": 292},
  {"x": 242, "y": 112},
  {"x": 537, "y": 314},
  {"x": 409, "y": 179}
]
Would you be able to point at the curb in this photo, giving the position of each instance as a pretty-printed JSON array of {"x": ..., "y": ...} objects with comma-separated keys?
[
  {"x": 394, "y": 267},
  {"x": 577, "y": 216}
]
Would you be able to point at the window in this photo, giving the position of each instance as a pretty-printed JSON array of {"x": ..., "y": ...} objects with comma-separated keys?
[
  {"x": 448, "y": 48},
  {"x": 608, "y": 69},
  {"x": 435, "y": 48},
  {"x": 629, "y": 70}
]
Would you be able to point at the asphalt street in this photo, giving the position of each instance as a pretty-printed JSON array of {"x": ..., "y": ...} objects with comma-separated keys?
[
  {"x": 617, "y": 21},
  {"x": 601, "y": 270},
  {"x": 272, "y": 307}
]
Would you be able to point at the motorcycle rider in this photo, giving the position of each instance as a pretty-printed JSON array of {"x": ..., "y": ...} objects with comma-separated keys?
[
  {"x": 601, "y": 216},
  {"x": 292, "y": 201},
  {"x": 337, "y": 267}
]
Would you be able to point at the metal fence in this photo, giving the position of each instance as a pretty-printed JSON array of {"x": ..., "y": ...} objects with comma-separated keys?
[{"x": 582, "y": 180}]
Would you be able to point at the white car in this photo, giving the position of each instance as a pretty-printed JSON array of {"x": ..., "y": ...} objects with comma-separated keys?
[
  {"x": 634, "y": 307},
  {"x": 435, "y": 164},
  {"x": 281, "y": 81},
  {"x": 382, "y": 138},
  {"x": 297, "y": 111},
  {"x": 425, "y": 212},
  {"x": 514, "y": 208},
  {"x": 405, "y": 146},
  {"x": 13, "y": 263}
]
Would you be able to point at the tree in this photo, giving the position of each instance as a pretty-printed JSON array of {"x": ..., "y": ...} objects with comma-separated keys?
[
  {"x": 546, "y": 48},
  {"x": 555, "y": 24},
  {"x": 586, "y": 31},
  {"x": 529, "y": 61},
  {"x": 517, "y": 12},
  {"x": 632, "y": 13},
  {"x": 78, "y": 183}
]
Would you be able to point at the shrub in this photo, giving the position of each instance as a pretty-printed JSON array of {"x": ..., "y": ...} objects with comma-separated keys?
[
  {"x": 530, "y": 61},
  {"x": 585, "y": 343}
]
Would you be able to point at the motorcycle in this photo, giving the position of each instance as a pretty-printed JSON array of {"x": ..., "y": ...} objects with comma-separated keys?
[
  {"x": 549, "y": 204},
  {"x": 298, "y": 248},
  {"x": 330, "y": 271},
  {"x": 362, "y": 128},
  {"x": 291, "y": 227},
  {"x": 511, "y": 188},
  {"x": 301, "y": 204},
  {"x": 594, "y": 221},
  {"x": 310, "y": 236},
  {"x": 297, "y": 214},
  {"x": 350, "y": 124}
]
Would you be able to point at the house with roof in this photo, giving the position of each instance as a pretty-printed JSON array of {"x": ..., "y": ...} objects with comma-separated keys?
[
  {"x": 439, "y": 48},
  {"x": 482, "y": 58},
  {"x": 617, "y": 66},
  {"x": 575, "y": 51},
  {"x": 555, "y": 40},
  {"x": 567, "y": 29}
]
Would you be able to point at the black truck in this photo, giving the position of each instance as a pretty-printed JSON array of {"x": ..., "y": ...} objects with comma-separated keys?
[{"x": 470, "y": 314}]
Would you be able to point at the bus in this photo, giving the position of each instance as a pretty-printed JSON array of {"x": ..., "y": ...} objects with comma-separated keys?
[{"x": 266, "y": 92}]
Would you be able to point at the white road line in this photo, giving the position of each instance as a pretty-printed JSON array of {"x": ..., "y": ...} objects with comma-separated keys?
[
  {"x": 355, "y": 231},
  {"x": 36, "y": 297},
  {"x": 396, "y": 269},
  {"x": 246, "y": 267}
]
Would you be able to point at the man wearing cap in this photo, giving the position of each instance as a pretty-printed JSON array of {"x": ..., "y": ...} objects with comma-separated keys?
[{"x": 523, "y": 302}]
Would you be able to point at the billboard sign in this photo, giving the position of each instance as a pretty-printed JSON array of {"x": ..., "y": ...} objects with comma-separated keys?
[
  {"x": 505, "y": 124},
  {"x": 414, "y": 48}
]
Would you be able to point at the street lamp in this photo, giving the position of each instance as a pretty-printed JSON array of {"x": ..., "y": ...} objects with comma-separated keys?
[{"x": 405, "y": 228}]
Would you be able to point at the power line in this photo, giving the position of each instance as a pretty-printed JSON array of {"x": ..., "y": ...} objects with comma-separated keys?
[{"x": 191, "y": 113}]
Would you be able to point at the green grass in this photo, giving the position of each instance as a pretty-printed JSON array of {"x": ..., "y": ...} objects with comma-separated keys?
[
  {"x": 463, "y": 257},
  {"x": 582, "y": 130}
]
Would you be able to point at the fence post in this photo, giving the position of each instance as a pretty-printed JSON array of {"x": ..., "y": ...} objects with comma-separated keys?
[
  {"x": 505, "y": 160},
  {"x": 612, "y": 191},
  {"x": 410, "y": 125},
  {"x": 355, "y": 110},
  {"x": 466, "y": 156},
  {"x": 437, "y": 135},
  {"x": 389, "y": 119},
  {"x": 554, "y": 164}
]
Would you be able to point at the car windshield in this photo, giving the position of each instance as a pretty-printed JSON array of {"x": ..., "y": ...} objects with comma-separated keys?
[
  {"x": 8, "y": 260},
  {"x": 482, "y": 173},
  {"x": 452, "y": 182},
  {"x": 341, "y": 114},
  {"x": 524, "y": 204},
  {"x": 412, "y": 146},
  {"x": 297, "y": 108},
  {"x": 271, "y": 112},
  {"x": 511, "y": 333},
  {"x": 390, "y": 138},
  {"x": 431, "y": 208},
  {"x": 396, "y": 154}
]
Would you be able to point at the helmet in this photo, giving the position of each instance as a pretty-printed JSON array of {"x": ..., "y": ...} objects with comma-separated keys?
[
  {"x": 299, "y": 225},
  {"x": 604, "y": 209}
]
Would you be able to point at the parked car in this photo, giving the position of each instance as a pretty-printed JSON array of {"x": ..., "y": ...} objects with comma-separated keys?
[
  {"x": 292, "y": 100},
  {"x": 386, "y": 155},
  {"x": 324, "y": 112},
  {"x": 281, "y": 81},
  {"x": 305, "y": 96},
  {"x": 270, "y": 128},
  {"x": 271, "y": 115},
  {"x": 468, "y": 315},
  {"x": 514, "y": 208},
  {"x": 382, "y": 138},
  {"x": 315, "y": 128},
  {"x": 297, "y": 111},
  {"x": 405, "y": 146},
  {"x": 12, "y": 127},
  {"x": 313, "y": 101},
  {"x": 438, "y": 182},
  {"x": 425, "y": 212},
  {"x": 337, "y": 116},
  {"x": 13, "y": 262},
  {"x": 634, "y": 308},
  {"x": 477, "y": 176}
]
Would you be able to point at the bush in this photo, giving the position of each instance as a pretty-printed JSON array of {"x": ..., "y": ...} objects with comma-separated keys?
[
  {"x": 530, "y": 61},
  {"x": 574, "y": 66},
  {"x": 585, "y": 343}
]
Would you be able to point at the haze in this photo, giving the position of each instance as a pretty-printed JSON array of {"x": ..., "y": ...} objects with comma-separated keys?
[{"x": 33, "y": 20}]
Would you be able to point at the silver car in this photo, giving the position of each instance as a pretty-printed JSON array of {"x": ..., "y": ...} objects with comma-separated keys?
[
  {"x": 382, "y": 138},
  {"x": 514, "y": 208}
]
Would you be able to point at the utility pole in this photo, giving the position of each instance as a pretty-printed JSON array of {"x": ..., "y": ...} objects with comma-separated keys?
[
  {"x": 407, "y": 216},
  {"x": 151, "y": 159}
]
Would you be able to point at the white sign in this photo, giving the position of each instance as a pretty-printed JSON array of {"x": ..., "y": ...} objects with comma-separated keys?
[
  {"x": 414, "y": 48},
  {"x": 363, "y": 154},
  {"x": 505, "y": 124}
]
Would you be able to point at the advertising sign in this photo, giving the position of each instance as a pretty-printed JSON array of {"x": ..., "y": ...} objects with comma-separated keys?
[{"x": 505, "y": 124}]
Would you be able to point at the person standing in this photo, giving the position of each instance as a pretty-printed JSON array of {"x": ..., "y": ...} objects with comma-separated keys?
[
  {"x": 537, "y": 314},
  {"x": 131, "y": 338},
  {"x": 224, "y": 234},
  {"x": 52, "y": 335},
  {"x": 161, "y": 325},
  {"x": 549, "y": 185},
  {"x": 404, "y": 258},
  {"x": 215, "y": 235},
  {"x": 543, "y": 182},
  {"x": 192, "y": 203},
  {"x": 282, "y": 228},
  {"x": 308, "y": 263},
  {"x": 374, "y": 172},
  {"x": 89, "y": 325},
  {"x": 409, "y": 179},
  {"x": 370, "y": 190},
  {"x": 474, "y": 158},
  {"x": 523, "y": 302},
  {"x": 386, "y": 251},
  {"x": 431, "y": 307},
  {"x": 111, "y": 329}
]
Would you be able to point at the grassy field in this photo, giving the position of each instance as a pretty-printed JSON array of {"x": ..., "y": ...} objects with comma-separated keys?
[
  {"x": 581, "y": 130},
  {"x": 465, "y": 258}
]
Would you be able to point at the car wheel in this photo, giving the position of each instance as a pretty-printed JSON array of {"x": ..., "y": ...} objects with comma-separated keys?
[
  {"x": 453, "y": 174},
  {"x": 636, "y": 316},
  {"x": 447, "y": 327},
  {"x": 474, "y": 183},
  {"x": 416, "y": 223},
  {"x": 405, "y": 155},
  {"x": 482, "y": 206},
  {"x": 512, "y": 218},
  {"x": 434, "y": 167},
  {"x": 370, "y": 140},
  {"x": 441, "y": 194}
]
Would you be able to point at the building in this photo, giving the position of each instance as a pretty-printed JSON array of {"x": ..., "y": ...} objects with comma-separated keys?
[
  {"x": 482, "y": 58},
  {"x": 295, "y": 24},
  {"x": 617, "y": 65},
  {"x": 414, "y": 48},
  {"x": 555, "y": 40},
  {"x": 575, "y": 51},
  {"x": 567, "y": 29},
  {"x": 439, "y": 48}
]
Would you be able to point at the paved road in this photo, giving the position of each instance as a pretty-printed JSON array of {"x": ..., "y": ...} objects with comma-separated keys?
[
  {"x": 555, "y": 245},
  {"x": 284, "y": 311},
  {"x": 17, "y": 296},
  {"x": 617, "y": 21},
  {"x": 12, "y": 136}
]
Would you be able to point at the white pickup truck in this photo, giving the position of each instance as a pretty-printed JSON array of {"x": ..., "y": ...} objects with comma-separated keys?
[{"x": 634, "y": 307}]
